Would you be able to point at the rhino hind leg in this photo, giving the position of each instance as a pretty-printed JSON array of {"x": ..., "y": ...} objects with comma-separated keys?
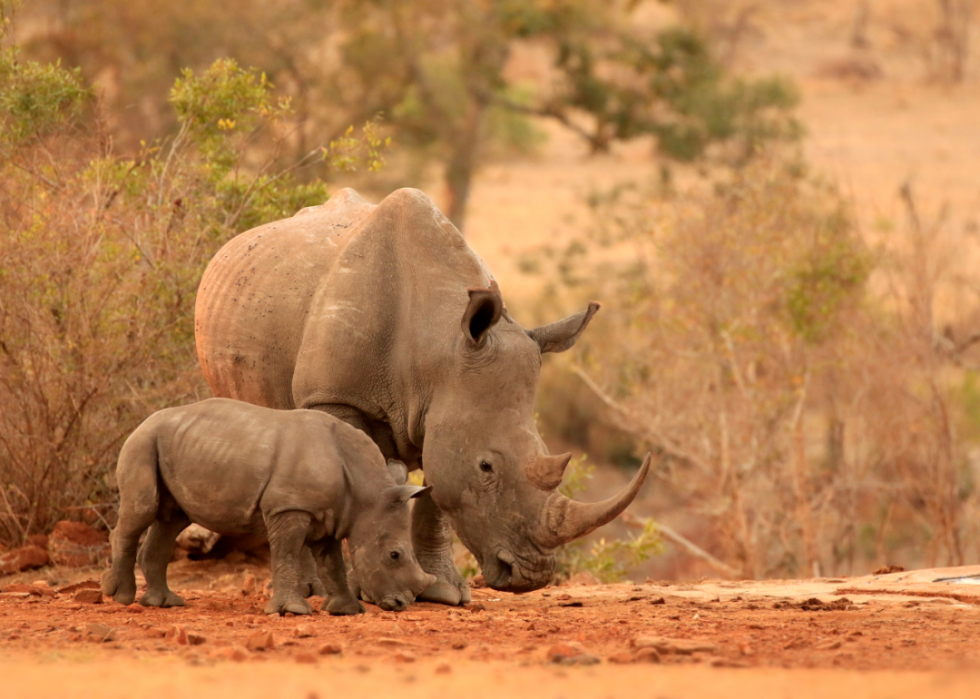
[
  {"x": 340, "y": 599},
  {"x": 432, "y": 539},
  {"x": 154, "y": 556},
  {"x": 287, "y": 541},
  {"x": 119, "y": 582}
]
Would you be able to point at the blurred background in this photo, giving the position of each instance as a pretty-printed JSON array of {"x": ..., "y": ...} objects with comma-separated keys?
[{"x": 776, "y": 201}]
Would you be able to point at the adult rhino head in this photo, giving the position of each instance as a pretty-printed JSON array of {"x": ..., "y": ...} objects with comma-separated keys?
[
  {"x": 491, "y": 472},
  {"x": 384, "y": 317}
]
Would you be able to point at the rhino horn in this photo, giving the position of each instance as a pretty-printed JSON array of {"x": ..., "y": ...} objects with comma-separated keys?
[
  {"x": 565, "y": 520},
  {"x": 546, "y": 472}
]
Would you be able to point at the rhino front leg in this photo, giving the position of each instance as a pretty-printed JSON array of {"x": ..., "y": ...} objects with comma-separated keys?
[
  {"x": 340, "y": 599},
  {"x": 432, "y": 539},
  {"x": 310, "y": 584},
  {"x": 287, "y": 539}
]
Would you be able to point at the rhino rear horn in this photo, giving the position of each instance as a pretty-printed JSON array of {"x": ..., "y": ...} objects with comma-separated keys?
[
  {"x": 546, "y": 472},
  {"x": 482, "y": 312},
  {"x": 565, "y": 520},
  {"x": 561, "y": 335}
]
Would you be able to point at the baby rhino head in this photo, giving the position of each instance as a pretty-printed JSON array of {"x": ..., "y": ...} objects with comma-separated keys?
[{"x": 380, "y": 543}]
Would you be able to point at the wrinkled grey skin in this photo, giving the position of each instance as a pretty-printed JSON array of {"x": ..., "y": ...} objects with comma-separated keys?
[
  {"x": 384, "y": 317},
  {"x": 304, "y": 479}
]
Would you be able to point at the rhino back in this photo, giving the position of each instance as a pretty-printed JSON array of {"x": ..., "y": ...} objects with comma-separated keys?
[
  {"x": 254, "y": 299},
  {"x": 224, "y": 461}
]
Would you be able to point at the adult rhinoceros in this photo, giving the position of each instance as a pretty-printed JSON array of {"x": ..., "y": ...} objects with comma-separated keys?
[{"x": 384, "y": 317}]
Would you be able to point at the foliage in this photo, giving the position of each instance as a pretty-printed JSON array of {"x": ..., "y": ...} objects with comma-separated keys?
[
  {"x": 99, "y": 261},
  {"x": 446, "y": 74},
  {"x": 610, "y": 561}
]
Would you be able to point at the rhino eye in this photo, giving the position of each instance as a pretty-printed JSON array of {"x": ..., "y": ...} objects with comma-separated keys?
[
  {"x": 485, "y": 466},
  {"x": 394, "y": 555}
]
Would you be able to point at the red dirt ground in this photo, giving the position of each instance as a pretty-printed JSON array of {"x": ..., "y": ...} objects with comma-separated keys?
[{"x": 904, "y": 634}]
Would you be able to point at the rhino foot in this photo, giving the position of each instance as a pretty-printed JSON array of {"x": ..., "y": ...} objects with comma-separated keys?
[
  {"x": 164, "y": 598},
  {"x": 443, "y": 592},
  {"x": 296, "y": 605},
  {"x": 122, "y": 591},
  {"x": 343, "y": 606}
]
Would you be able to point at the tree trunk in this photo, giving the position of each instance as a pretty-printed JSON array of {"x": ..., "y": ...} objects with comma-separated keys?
[{"x": 462, "y": 162}]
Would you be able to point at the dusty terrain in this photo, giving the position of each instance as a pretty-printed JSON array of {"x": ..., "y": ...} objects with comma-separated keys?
[{"x": 905, "y": 633}]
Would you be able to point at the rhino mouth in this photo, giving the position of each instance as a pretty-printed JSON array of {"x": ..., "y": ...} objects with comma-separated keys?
[{"x": 507, "y": 572}]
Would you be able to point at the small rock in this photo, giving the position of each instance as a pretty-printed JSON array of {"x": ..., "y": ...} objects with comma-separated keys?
[
  {"x": 88, "y": 596},
  {"x": 727, "y": 662},
  {"x": 303, "y": 631},
  {"x": 42, "y": 589},
  {"x": 23, "y": 558},
  {"x": 622, "y": 658},
  {"x": 459, "y": 645},
  {"x": 680, "y": 646},
  {"x": 478, "y": 582},
  {"x": 829, "y": 645},
  {"x": 583, "y": 659},
  {"x": 261, "y": 640},
  {"x": 39, "y": 540},
  {"x": 178, "y": 634},
  {"x": 659, "y": 600},
  {"x": 647, "y": 655},
  {"x": 236, "y": 653},
  {"x": 305, "y": 659},
  {"x": 134, "y": 608},
  {"x": 564, "y": 596},
  {"x": 443, "y": 669},
  {"x": 195, "y": 639},
  {"x": 100, "y": 633},
  {"x": 568, "y": 649},
  {"x": 248, "y": 587},
  {"x": 77, "y": 545},
  {"x": 404, "y": 656},
  {"x": 330, "y": 649}
]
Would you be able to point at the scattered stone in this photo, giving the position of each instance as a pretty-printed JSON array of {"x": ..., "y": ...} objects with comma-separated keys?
[
  {"x": 563, "y": 596},
  {"x": 443, "y": 669},
  {"x": 659, "y": 600},
  {"x": 88, "y": 596},
  {"x": 23, "y": 558},
  {"x": 476, "y": 607},
  {"x": 727, "y": 662},
  {"x": 305, "y": 659},
  {"x": 678, "y": 646},
  {"x": 134, "y": 608},
  {"x": 261, "y": 640},
  {"x": 887, "y": 570},
  {"x": 459, "y": 645},
  {"x": 583, "y": 659},
  {"x": 178, "y": 634},
  {"x": 622, "y": 658},
  {"x": 404, "y": 656},
  {"x": 100, "y": 633},
  {"x": 829, "y": 645},
  {"x": 83, "y": 585},
  {"x": 304, "y": 631},
  {"x": 330, "y": 649},
  {"x": 77, "y": 545},
  {"x": 15, "y": 595},
  {"x": 647, "y": 655},
  {"x": 39, "y": 540},
  {"x": 248, "y": 587},
  {"x": 568, "y": 649},
  {"x": 195, "y": 639},
  {"x": 235, "y": 653}
]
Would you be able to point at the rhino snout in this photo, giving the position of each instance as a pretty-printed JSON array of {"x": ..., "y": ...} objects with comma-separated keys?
[{"x": 396, "y": 603}]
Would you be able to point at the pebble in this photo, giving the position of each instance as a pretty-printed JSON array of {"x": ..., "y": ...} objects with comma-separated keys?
[
  {"x": 566, "y": 649},
  {"x": 134, "y": 608},
  {"x": 248, "y": 588},
  {"x": 404, "y": 656},
  {"x": 679, "y": 646},
  {"x": 306, "y": 658},
  {"x": 261, "y": 640},
  {"x": 88, "y": 596},
  {"x": 621, "y": 658},
  {"x": 443, "y": 669},
  {"x": 100, "y": 633},
  {"x": 583, "y": 659},
  {"x": 647, "y": 655},
  {"x": 177, "y": 633},
  {"x": 195, "y": 639},
  {"x": 304, "y": 631},
  {"x": 330, "y": 649},
  {"x": 236, "y": 653}
]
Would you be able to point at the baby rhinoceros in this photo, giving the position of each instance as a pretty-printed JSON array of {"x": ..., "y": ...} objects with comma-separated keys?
[{"x": 305, "y": 479}]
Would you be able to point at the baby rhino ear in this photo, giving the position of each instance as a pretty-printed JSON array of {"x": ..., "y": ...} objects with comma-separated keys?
[{"x": 404, "y": 493}]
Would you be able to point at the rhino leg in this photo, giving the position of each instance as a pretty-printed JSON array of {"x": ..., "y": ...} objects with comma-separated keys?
[
  {"x": 432, "y": 539},
  {"x": 287, "y": 539},
  {"x": 119, "y": 582},
  {"x": 154, "y": 556},
  {"x": 340, "y": 600},
  {"x": 310, "y": 584}
]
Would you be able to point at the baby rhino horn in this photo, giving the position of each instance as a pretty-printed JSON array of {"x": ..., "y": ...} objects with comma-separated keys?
[{"x": 546, "y": 472}]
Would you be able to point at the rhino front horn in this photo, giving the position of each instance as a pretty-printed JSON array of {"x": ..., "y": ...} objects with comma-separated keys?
[{"x": 565, "y": 520}]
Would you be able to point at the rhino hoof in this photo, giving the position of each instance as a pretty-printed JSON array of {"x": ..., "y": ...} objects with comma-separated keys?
[
  {"x": 296, "y": 606},
  {"x": 445, "y": 593},
  {"x": 343, "y": 606},
  {"x": 153, "y": 598}
]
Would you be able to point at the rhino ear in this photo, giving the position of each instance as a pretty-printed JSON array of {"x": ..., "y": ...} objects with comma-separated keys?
[
  {"x": 403, "y": 493},
  {"x": 482, "y": 313},
  {"x": 398, "y": 471},
  {"x": 561, "y": 335}
]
